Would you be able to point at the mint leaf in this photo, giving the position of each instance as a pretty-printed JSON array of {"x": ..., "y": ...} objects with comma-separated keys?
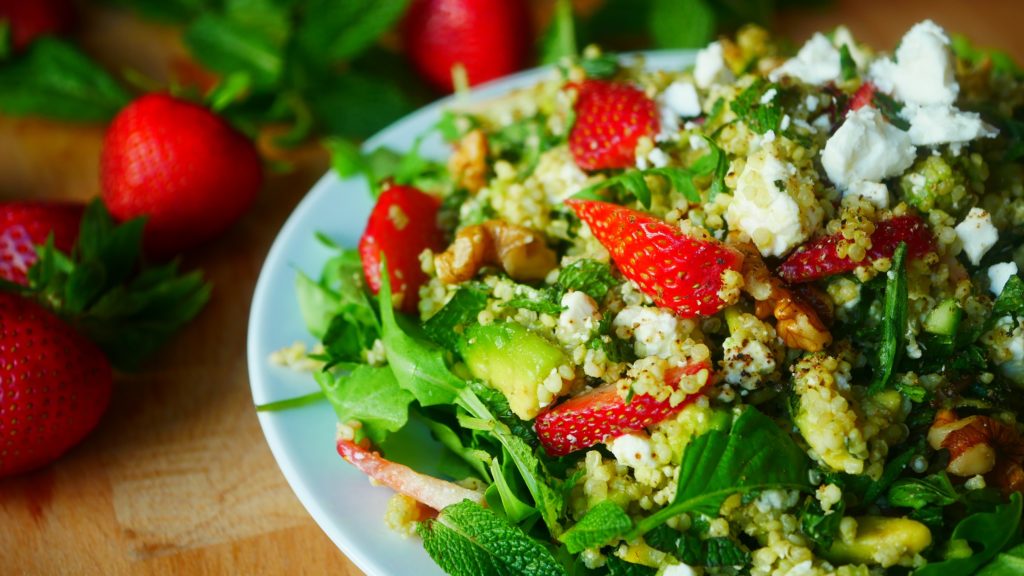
[
  {"x": 469, "y": 540},
  {"x": 757, "y": 115},
  {"x": 755, "y": 455},
  {"x": 1009, "y": 563},
  {"x": 819, "y": 525},
  {"x": 559, "y": 40},
  {"x": 601, "y": 525},
  {"x": 342, "y": 30},
  {"x": 917, "y": 493},
  {"x": 1010, "y": 301},
  {"x": 589, "y": 276},
  {"x": 370, "y": 395},
  {"x": 378, "y": 98},
  {"x": 682, "y": 23},
  {"x": 891, "y": 109},
  {"x": 633, "y": 181},
  {"x": 54, "y": 79},
  {"x": 988, "y": 532},
  {"x": 619, "y": 567},
  {"x": 548, "y": 302},
  {"x": 229, "y": 45},
  {"x": 894, "y": 324},
  {"x": 847, "y": 66},
  {"x": 418, "y": 365},
  {"x": 446, "y": 326}
]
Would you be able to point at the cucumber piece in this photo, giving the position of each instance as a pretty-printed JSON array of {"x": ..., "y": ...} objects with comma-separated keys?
[
  {"x": 944, "y": 319},
  {"x": 510, "y": 358}
]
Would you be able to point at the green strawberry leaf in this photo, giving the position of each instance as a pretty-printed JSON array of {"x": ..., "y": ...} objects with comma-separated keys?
[
  {"x": 54, "y": 79},
  {"x": 101, "y": 289}
]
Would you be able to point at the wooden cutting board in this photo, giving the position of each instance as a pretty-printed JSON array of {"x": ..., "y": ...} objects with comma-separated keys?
[{"x": 178, "y": 479}]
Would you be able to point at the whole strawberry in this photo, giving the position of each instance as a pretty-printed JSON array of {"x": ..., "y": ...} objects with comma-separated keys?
[
  {"x": 29, "y": 19},
  {"x": 490, "y": 38},
  {"x": 184, "y": 168},
  {"x": 54, "y": 385},
  {"x": 24, "y": 226},
  {"x": 610, "y": 120}
]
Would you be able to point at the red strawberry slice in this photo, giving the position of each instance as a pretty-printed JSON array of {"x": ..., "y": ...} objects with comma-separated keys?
[
  {"x": 26, "y": 225},
  {"x": 602, "y": 414},
  {"x": 610, "y": 120},
  {"x": 820, "y": 259},
  {"x": 680, "y": 273},
  {"x": 864, "y": 96},
  {"x": 402, "y": 225}
]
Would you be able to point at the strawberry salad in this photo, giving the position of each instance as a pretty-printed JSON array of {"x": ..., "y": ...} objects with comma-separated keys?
[{"x": 761, "y": 316}]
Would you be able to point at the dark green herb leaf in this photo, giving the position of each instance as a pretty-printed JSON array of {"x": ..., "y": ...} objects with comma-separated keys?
[
  {"x": 1010, "y": 301},
  {"x": 468, "y": 540},
  {"x": 846, "y": 63},
  {"x": 603, "y": 66},
  {"x": 589, "y": 276},
  {"x": 724, "y": 552},
  {"x": 755, "y": 455},
  {"x": 370, "y": 395},
  {"x": 988, "y": 532},
  {"x": 1009, "y": 563},
  {"x": 894, "y": 326},
  {"x": 759, "y": 117},
  {"x": 228, "y": 45},
  {"x": 505, "y": 476},
  {"x": 633, "y": 182},
  {"x": 664, "y": 538},
  {"x": 498, "y": 407},
  {"x": 619, "y": 567},
  {"x": 818, "y": 525},
  {"x": 445, "y": 327},
  {"x": 547, "y": 301},
  {"x": 891, "y": 109},
  {"x": 892, "y": 470},
  {"x": 54, "y": 79},
  {"x": 601, "y": 525},
  {"x": 559, "y": 41},
  {"x": 682, "y": 23},
  {"x": 342, "y": 30},
  {"x": 920, "y": 492}
]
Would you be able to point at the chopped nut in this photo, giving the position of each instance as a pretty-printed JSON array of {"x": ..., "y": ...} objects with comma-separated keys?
[
  {"x": 519, "y": 251},
  {"x": 468, "y": 163}
]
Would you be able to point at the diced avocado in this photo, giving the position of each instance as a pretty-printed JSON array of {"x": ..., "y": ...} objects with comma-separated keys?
[
  {"x": 882, "y": 540},
  {"x": 512, "y": 359},
  {"x": 944, "y": 319}
]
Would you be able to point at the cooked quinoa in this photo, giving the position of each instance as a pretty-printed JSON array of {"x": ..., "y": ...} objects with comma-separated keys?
[{"x": 873, "y": 371}]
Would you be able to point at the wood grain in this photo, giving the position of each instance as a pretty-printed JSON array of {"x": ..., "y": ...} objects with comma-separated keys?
[{"x": 178, "y": 479}]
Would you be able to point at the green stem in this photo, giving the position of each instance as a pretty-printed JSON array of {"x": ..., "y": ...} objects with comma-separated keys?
[{"x": 290, "y": 403}]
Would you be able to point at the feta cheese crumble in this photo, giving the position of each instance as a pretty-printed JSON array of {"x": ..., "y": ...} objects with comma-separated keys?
[
  {"x": 656, "y": 330},
  {"x": 578, "y": 320},
  {"x": 681, "y": 97},
  {"x": 679, "y": 570},
  {"x": 977, "y": 234},
  {"x": 999, "y": 275},
  {"x": 633, "y": 450},
  {"x": 710, "y": 67},
  {"x": 866, "y": 147},
  {"x": 922, "y": 72},
  {"x": 817, "y": 62},
  {"x": 763, "y": 208},
  {"x": 942, "y": 124},
  {"x": 874, "y": 192}
]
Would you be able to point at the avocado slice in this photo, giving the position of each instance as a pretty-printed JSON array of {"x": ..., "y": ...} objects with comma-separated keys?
[{"x": 510, "y": 358}]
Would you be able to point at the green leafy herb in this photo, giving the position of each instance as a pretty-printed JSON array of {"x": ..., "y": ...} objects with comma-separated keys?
[
  {"x": 128, "y": 310},
  {"x": 497, "y": 406},
  {"x": 227, "y": 45},
  {"x": 370, "y": 395},
  {"x": 682, "y": 23},
  {"x": 846, "y": 63},
  {"x": 508, "y": 500},
  {"x": 601, "y": 525},
  {"x": 1009, "y": 563},
  {"x": 819, "y": 525},
  {"x": 917, "y": 493},
  {"x": 445, "y": 327},
  {"x": 758, "y": 115},
  {"x": 1002, "y": 63},
  {"x": 663, "y": 538},
  {"x": 1010, "y": 301},
  {"x": 755, "y": 455},
  {"x": 340, "y": 31},
  {"x": 891, "y": 109},
  {"x": 475, "y": 458},
  {"x": 559, "y": 40},
  {"x": 633, "y": 181},
  {"x": 718, "y": 551},
  {"x": 892, "y": 470},
  {"x": 546, "y": 301},
  {"x": 989, "y": 532},
  {"x": 290, "y": 403},
  {"x": 619, "y": 567},
  {"x": 589, "y": 276},
  {"x": 468, "y": 540},
  {"x": 602, "y": 66},
  {"x": 54, "y": 79},
  {"x": 894, "y": 326}
]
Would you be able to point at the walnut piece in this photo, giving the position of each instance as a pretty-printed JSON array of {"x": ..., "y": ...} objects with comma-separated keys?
[{"x": 519, "y": 251}]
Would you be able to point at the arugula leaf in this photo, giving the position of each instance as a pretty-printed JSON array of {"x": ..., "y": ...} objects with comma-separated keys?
[
  {"x": 101, "y": 289},
  {"x": 54, "y": 79},
  {"x": 989, "y": 531},
  {"x": 821, "y": 526},
  {"x": 370, "y": 395},
  {"x": 682, "y": 23},
  {"x": 498, "y": 408},
  {"x": 559, "y": 40},
  {"x": 917, "y": 493},
  {"x": 846, "y": 63},
  {"x": 467, "y": 539},
  {"x": 589, "y": 276},
  {"x": 756, "y": 454},
  {"x": 418, "y": 365},
  {"x": 505, "y": 478},
  {"x": 476, "y": 459},
  {"x": 352, "y": 330},
  {"x": 894, "y": 326},
  {"x": 601, "y": 525},
  {"x": 1009, "y": 563},
  {"x": 757, "y": 115},
  {"x": 445, "y": 327}
]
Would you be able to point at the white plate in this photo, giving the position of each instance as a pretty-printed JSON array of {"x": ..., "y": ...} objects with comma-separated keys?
[{"x": 338, "y": 497}]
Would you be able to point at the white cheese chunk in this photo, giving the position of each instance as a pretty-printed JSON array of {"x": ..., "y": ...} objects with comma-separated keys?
[
  {"x": 817, "y": 62},
  {"x": 999, "y": 275},
  {"x": 763, "y": 209},
  {"x": 633, "y": 450},
  {"x": 679, "y": 570},
  {"x": 874, "y": 192},
  {"x": 656, "y": 331},
  {"x": 943, "y": 124},
  {"x": 681, "y": 97},
  {"x": 866, "y": 147},
  {"x": 710, "y": 67},
  {"x": 977, "y": 234},
  {"x": 922, "y": 72},
  {"x": 578, "y": 319}
]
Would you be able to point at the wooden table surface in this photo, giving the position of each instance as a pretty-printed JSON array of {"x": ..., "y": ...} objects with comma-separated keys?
[{"x": 177, "y": 479}]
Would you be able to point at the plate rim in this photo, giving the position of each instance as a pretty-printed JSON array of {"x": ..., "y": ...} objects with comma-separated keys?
[{"x": 258, "y": 365}]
